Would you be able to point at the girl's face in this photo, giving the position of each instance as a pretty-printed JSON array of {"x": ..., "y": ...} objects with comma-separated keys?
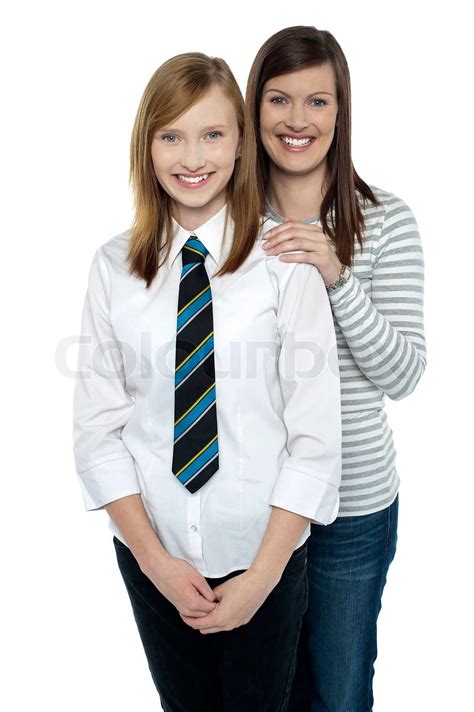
[
  {"x": 298, "y": 115},
  {"x": 194, "y": 157}
]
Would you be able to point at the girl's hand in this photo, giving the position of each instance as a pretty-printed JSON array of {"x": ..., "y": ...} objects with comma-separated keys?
[
  {"x": 183, "y": 586},
  {"x": 316, "y": 247},
  {"x": 239, "y": 599}
]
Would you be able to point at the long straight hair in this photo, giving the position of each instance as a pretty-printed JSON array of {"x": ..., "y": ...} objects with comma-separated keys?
[
  {"x": 176, "y": 86},
  {"x": 287, "y": 51}
]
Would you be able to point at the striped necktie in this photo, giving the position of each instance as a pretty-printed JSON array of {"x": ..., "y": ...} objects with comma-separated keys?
[{"x": 195, "y": 450}]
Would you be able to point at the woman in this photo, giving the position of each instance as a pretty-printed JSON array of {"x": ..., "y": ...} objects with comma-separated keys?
[
  {"x": 194, "y": 422},
  {"x": 365, "y": 244}
]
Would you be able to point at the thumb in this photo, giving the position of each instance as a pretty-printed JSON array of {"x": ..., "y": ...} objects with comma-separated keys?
[
  {"x": 219, "y": 592},
  {"x": 204, "y": 589}
]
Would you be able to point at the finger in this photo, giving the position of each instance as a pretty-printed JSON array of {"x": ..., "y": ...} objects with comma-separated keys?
[
  {"x": 296, "y": 244},
  {"x": 291, "y": 227},
  {"x": 204, "y": 589},
  {"x": 208, "y": 621},
  {"x": 294, "y": 235},
  {"x": 198, "y": 604},
  {"x": 196, "y": 614},
  {"x": 308, "y": 257},
  {"x": 219, "y": 591},
  {"x": 213, "y": 630}
]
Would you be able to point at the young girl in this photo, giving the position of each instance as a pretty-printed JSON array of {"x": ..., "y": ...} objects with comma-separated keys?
[
  {"x": 207, "y": 418},
  {"x": 364, "y": 243}
]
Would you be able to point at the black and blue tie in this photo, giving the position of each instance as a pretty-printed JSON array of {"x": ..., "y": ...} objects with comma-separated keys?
[{"x": 195, "y": 450}]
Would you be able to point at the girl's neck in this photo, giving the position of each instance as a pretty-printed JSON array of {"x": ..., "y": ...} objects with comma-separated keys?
[
  {"x": 296, "y": 196},
  {"x": 192, "y": 218}
]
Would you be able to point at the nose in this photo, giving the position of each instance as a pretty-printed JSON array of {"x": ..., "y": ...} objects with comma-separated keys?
[
  {"x": 192, "y": 157},
  {"x": 296, "y": 118}
]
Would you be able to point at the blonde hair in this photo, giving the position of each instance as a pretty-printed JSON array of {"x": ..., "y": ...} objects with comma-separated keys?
[{"x": 176, "y": 86}]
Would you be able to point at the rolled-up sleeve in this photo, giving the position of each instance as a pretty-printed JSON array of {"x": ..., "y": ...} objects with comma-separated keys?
[
  {"x": 101, "y": 404},
  {"x": 309, "y": 480}
]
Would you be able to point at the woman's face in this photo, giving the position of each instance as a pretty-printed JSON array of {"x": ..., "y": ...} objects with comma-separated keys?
[
  {"x": 194, "y": 157},
  {"x": 298, "y": 115}
]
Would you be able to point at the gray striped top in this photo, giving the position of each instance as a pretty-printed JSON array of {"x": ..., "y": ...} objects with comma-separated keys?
[{"x": 378, "y": 318}]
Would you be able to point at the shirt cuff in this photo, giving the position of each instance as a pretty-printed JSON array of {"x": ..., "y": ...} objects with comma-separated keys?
[
  {"x": 303, "y": 494},
  {"x": 108, "y": 481}
]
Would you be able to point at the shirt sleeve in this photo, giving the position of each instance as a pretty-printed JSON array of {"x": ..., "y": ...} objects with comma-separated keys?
[
  {"x": 101, "y": 404},
  {"x": 385, "y": 332},
  {"x": 309, "y": 480}
]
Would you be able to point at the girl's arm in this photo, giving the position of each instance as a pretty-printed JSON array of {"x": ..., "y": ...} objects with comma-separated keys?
[
  {"x": 177, "y": 580},
  {"x": 309, "y": 479},
  {"x": 307, "y": 487},
  {"x": 101, "y": 404},
  {"x": 101, "y": 408}
]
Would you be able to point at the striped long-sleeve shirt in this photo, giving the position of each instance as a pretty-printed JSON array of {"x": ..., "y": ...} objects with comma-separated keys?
[{"x": 378, "y": 318}]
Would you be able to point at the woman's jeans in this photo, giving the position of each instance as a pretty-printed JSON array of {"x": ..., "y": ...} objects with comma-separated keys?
[
  {"x": 247, "y": 669},
  {"x": 348, "y": 562}
]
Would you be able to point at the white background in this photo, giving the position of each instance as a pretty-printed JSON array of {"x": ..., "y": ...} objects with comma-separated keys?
[{"x": 72, "y": 77}]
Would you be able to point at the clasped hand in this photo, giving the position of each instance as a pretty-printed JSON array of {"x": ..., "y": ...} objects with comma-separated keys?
[
  {"x": 208, "y": 610},
  {"x": 238, "y": 599}
]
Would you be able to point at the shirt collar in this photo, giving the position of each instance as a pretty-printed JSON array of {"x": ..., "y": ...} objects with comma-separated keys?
[
  {"x": 211, "y": 234},
  {"x": 276, "y": 217}
]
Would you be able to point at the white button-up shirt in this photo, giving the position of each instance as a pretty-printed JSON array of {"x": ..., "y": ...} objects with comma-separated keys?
[{"x": 277, "y": 399}]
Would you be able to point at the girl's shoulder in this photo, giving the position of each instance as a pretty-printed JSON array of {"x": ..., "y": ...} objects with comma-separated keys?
[
  {"x": 115, "y": 249},
  {"x": 279, "y": 271},
  {"x": 113, "y": 253}
]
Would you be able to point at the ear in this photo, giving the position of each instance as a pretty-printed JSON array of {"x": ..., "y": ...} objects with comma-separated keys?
[{"x": 238, "y": 150}]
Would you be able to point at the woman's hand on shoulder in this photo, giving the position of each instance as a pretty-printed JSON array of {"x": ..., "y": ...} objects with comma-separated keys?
[{"x": 316, "y": 247}]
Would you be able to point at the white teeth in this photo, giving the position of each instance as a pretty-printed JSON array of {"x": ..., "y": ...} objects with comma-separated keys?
[
  {"x": 197, "y": 179},
  {"x": 295, "y": 141}
]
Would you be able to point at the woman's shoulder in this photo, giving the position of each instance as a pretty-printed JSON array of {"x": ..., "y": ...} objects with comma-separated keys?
[
  {"x": 388, "y": 204},
  {"x": 387, "y": 220}
]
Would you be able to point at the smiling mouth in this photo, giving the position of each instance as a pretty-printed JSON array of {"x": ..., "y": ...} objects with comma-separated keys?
[
  {"x": 193, "y": 179},
  {"x": 189, "y": 181},
  {"x": 296, "y": 142}
]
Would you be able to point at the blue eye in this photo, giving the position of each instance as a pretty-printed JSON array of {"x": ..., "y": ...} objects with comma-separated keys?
[
  {"x": 172, "y": 138},
  {"x": 322, "y": 102},
  {"x": 214, "y": 134}
]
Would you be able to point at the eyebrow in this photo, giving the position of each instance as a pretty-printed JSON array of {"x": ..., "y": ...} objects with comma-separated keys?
[
  {"x": 280, "y": 91},
  {"x": 212, "y": 127}
]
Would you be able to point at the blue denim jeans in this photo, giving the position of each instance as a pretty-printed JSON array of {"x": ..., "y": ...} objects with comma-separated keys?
[{"x": 347, "y": 569}]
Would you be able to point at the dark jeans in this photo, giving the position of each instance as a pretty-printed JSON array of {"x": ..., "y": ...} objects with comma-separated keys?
[
  {"x": 248, "y": 669},
  {"x": 347, "y": 569}
]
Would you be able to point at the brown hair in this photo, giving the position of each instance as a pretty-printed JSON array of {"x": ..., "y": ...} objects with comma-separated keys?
[
  {"x": 175, "y": 87},
  {"x": 297, "y": 48}
]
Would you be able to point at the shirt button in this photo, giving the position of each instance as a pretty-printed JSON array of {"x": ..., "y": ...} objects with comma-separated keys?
[{"x": 194, "y": 528}]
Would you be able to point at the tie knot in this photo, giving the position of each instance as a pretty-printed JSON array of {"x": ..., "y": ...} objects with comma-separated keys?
[{"x": 193, "y": 251}]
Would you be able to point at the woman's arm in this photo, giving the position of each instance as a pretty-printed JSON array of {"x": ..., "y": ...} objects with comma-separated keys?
[{"x": 385, "y": 332}]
